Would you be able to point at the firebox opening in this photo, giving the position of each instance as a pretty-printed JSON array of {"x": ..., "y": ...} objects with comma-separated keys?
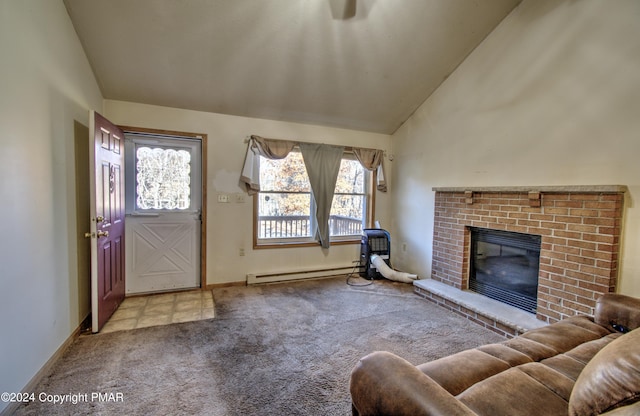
[{"x": 504, "y": 267}]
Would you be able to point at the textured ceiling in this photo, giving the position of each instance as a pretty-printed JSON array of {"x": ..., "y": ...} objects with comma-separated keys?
[{"x": 357, "y": 64}]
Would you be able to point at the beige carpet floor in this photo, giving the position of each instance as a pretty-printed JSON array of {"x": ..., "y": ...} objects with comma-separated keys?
[{"x": 281, "y": 349}]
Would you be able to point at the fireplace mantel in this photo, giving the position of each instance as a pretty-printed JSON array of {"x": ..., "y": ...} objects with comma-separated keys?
[{"x": 586, "y": 189}]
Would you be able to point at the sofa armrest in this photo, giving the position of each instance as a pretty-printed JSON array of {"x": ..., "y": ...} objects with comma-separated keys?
[
  {"x": 616, "y": 312},
  {"x": 385, "y": 384}
]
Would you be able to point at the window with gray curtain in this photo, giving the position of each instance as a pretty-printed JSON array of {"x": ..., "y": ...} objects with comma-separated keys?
[{"x": 309, "y": 192}]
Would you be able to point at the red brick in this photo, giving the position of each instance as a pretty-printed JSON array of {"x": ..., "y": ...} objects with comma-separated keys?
[
  {"x": 557, "y": 241},
  {"x": 556, "y": 197},
  {"x": 582, "y": 244},
  {"x": 582, "y": 228},
  {"x": 568, "y": 219},
  {"x": 606, "y": 222},
  {"x": 529, "y": 223},
  {"x": 568, "y": 204},
  {"x": 540, "y": 231},
  {"x": 569, "y": 250},
  {"x": 556, "y": 211},
  {"x": 542, "y": 217},
  {"x": 609, "y": 213},
  {"x": 581, "y": 276},
  {"x": 593, "y": 287},
  {"x": 607, "y": 248},
  {"x": 551, "y": 269},
  {"x": 556, "y": 255},
  {"x": 567, "y": 234},
  {"x": 607, "y": 230},
  {"x": 510, "y": 208},
  {"x": 602, "y": 205},
  {"x": 605, "y": 264},
  {"x": 552, "y": 285},
  {"x": 609, "y": 239},
  {"x": 595, "y": 254},
  {"x": 500, "y": 214},
  {"x": 594, "y": 271},
  {"x": 581, "y": 260},
  {"x": 580, "y": 292},
  {"x": 549, "y": 298},
  {"x": 533, "y": 209},
  {"x": 574, "y": 306},
  {"x": 584, "y": 197},
  {"x": 554, "y": 225}
]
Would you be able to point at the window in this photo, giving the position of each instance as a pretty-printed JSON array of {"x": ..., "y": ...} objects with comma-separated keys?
[
  {"x": 285, "y": 202},
  {"x": 163, "y": 178},
  {"x": 164, "y": 174}
]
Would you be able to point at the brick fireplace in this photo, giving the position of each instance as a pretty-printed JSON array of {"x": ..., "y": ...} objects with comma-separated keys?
[{"x": 580, "y": 238}]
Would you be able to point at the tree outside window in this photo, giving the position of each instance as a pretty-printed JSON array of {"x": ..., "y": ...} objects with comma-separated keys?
[{"x": 285, "y": 201}]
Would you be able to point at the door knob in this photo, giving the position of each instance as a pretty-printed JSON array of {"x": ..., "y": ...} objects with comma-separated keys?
[
  {"x": 103, "y": 234},
  {"x": 99, "y": 219},
  {"x": 89, "y": 235}
]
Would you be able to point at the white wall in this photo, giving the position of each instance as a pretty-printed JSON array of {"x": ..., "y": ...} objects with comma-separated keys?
[
  {"x": 230, "y": 226},
  {"x": 46, "y": 85},
  {"x": 551, "y": 97}
]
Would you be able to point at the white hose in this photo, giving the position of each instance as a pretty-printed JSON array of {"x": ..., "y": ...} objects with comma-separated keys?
[{"x": 389, "y": 273}]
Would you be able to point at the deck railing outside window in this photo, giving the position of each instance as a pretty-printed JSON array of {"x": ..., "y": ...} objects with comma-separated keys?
[{"x": 299, "y": 226}]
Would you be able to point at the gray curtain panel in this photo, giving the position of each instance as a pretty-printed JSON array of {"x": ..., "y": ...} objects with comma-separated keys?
[
  {"x": 323, "y": 164},
  {"x": 260, "y": 146},
  {"x": 373, "y": 159}
]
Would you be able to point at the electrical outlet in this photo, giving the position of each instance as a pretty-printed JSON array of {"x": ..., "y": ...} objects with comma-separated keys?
[
  {"x": 239, "y": 198},
  {"x": 223, "y": 198},
  {"x": 241, "y": 252}
]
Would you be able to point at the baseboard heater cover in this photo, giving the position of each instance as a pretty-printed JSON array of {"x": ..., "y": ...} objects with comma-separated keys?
[{"x": 253, "y": 278}]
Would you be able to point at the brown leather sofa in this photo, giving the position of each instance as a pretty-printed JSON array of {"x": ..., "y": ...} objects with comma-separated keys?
[{"x": 580, "y": 366}]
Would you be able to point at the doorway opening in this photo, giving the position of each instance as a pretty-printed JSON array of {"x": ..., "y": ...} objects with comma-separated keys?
[{"x": 165, "y": 223}]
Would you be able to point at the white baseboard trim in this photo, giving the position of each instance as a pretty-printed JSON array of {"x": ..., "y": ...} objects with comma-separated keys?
[{"x": 44, "y": 370}]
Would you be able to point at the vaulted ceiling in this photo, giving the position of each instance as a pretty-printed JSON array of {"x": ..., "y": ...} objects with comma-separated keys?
[{"x": 357, "y": 64}]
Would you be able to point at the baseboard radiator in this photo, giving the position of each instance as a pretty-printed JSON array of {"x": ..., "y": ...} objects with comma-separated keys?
[{"x": 299, "y": 274}]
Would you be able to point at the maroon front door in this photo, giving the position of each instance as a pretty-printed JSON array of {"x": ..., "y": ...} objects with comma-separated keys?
[{"x": 108, "y": 212}]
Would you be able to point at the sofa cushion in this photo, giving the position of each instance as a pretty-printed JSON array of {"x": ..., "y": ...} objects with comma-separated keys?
[
  {"x": 571, "y": 363},
  {"x": 506, "y": 354},
  {"x": 459, "y": 371},
  {"x": 553, "y": 380},
  {"x": 514, "y": 393},
  {"x": 611, "y": 379},
  {"x": 532, "y": 349},
  {"x": 567, "y": 334},
  {"x": 585, "y": 352}
]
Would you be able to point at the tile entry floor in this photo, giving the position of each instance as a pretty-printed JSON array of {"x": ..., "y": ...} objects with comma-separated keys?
[{"x": 161, "y": 309}]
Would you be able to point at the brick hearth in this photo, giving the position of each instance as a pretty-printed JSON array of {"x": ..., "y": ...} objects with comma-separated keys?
[{"x": 579, "y": 226}]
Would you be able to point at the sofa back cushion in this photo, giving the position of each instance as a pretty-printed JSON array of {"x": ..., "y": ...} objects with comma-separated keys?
[{"x": 611, "y": 379}]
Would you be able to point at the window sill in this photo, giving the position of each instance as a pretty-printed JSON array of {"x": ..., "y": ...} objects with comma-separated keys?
[{"x": 284, "y": 244}]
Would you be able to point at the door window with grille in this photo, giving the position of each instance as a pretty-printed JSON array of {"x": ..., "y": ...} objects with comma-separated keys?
[{"x": 163, "y": 178}]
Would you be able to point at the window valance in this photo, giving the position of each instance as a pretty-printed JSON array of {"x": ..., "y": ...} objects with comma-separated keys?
[{"x": 370, "y": 159}]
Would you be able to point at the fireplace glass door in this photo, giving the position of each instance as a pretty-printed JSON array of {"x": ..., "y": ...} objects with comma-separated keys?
[{"x": 504, "y": 267}]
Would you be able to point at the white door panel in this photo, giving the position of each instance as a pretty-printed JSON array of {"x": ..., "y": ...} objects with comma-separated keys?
[
  {"x": 165, "y": 253},
  {"x": 163, "y": 214}
]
